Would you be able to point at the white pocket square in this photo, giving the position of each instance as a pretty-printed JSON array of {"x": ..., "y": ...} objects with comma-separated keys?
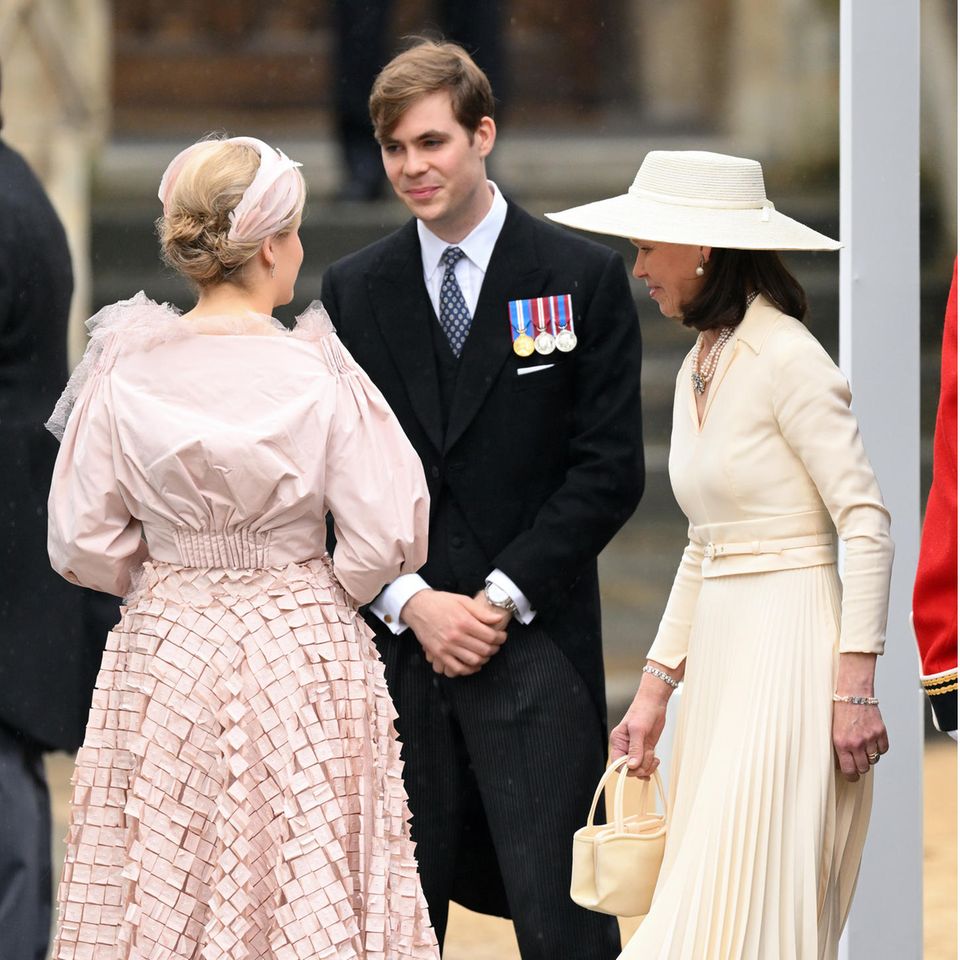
[{"x": 525, "y": 370}]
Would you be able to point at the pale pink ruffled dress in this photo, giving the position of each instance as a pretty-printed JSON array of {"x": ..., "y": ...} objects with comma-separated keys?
[{"x": 238, "y": 793}]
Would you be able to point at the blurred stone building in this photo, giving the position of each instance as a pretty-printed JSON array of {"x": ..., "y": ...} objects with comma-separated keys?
[
  {"x": 763, "y": 72},
  {"x": 100, "y": 95}
]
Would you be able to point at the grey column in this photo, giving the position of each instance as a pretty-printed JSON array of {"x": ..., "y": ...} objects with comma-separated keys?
[{"x": 880, "y": 354}]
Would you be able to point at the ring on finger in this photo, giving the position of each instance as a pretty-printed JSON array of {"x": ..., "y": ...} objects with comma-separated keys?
[{"x": 873, "y": 758}]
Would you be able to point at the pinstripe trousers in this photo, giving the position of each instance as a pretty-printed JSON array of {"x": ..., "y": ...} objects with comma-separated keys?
[{"x": 519, "y": 744}]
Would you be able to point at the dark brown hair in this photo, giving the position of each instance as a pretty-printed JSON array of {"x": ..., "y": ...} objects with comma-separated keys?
[
  {"x": 425, "y": 68},
  {"x": 731, "y": 276}
]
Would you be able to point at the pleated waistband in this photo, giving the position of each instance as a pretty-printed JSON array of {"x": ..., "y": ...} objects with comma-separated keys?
[{"x": 242, "y": 548}]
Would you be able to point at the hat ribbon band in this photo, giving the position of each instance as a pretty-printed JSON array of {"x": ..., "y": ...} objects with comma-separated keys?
[{"x": 764, "y": 206}]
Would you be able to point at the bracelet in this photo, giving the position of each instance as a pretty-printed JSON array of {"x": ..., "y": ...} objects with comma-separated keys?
[
  {"x": 660, "y": 675},
  {"x": 859, "y": 701}
]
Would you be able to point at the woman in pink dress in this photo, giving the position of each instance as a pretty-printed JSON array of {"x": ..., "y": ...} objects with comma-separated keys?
[{"x": 238, "y": 793}]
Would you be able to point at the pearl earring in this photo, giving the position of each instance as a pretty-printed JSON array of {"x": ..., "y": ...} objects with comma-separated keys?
[{"x": 699, "y": 270}]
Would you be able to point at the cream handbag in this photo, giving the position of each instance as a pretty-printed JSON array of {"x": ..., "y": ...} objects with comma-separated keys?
[{"x": 615, "y": 866}]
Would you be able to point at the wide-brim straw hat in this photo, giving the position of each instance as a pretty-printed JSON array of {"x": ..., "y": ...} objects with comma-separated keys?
[{"x": 706, "y": 199}]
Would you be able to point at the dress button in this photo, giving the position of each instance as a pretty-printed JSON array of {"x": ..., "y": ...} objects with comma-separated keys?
[
  {"x": 435, "y": 472},
  {"x": 456, "y": 541}
]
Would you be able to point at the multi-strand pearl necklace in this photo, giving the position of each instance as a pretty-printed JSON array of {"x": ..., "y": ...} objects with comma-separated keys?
[{"x": 702, "y": 373}]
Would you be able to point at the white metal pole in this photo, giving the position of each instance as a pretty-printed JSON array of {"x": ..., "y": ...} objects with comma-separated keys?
[{"x": 880, "y": 354}]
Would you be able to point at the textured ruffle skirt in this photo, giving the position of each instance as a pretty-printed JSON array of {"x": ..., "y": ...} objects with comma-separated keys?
[
  {"x": 239, "y": 793},
  {"x": 765, "y": 837}
]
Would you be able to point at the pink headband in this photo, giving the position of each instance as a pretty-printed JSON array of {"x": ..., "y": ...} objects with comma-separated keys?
[{"x": 266, "y": 205}]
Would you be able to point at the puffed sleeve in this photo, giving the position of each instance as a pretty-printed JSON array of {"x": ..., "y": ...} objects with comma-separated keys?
[
  {"x": 374, "y": 485},
  {"x": 673, "y": 635},
  {"x": 91, "y": 537},
  {"x": 812, "y": 407}
]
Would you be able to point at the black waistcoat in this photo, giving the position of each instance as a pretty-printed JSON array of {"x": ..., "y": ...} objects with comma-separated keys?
[
  {"x": 448, "y": 368},
  {"x": 456, "y": 561}
]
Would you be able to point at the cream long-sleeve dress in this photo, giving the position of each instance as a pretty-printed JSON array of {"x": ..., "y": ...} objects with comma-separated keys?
[
  {"x": 238, "y": 793},
  {"x": 765, "y": 836}
]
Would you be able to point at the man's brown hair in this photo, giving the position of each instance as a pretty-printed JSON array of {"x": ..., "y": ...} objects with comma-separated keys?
[{"x": 425, "y": 68}]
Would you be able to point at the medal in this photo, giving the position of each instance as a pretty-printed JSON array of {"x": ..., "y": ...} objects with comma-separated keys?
[
  {"x": 544, "y": 343},
  {"x": 552, "y": 330},
  {"x": 523, "y": 344},
  {"x": 566, "y": 338}
]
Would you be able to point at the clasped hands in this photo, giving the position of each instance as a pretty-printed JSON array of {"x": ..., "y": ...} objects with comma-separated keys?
[{"x": 459, "y": 634}]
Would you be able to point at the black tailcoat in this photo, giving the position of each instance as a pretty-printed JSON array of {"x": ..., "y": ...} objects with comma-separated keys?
[{"x": 532, "y": 474}]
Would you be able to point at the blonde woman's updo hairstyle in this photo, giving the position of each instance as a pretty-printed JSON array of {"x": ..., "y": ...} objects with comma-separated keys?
[{"x": 194, "y": 229}]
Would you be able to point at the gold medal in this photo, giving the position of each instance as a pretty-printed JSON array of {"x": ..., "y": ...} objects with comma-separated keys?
[{"x": 523, "y": 345}]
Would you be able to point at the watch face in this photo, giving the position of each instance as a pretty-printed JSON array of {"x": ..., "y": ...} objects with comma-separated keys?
[
  {"x": 499, "y": 597},
  {"x": 496, "y": 594}
]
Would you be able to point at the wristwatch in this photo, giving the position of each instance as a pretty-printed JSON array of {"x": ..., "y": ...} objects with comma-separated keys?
[{"x": 498, "y": 597}]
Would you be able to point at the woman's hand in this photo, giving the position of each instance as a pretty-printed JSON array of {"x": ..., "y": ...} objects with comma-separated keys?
[
  {"x": 859, "y": 734},
  {"x": 639, "y": 731},
  {"x": 859, "y": 738}
]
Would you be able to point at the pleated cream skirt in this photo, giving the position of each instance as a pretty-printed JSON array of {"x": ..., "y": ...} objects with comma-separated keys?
[{"x": 765, "y": 836}]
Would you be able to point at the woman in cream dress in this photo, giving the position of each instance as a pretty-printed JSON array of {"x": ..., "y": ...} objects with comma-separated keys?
[
  {"x": 238, "y": 793},
  {"x": 778, "y": 728}
]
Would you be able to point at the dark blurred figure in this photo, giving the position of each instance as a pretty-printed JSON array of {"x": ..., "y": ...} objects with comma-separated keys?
[
  {"x": 362, "y": 27},
  {"x": 51, "y": 634}
]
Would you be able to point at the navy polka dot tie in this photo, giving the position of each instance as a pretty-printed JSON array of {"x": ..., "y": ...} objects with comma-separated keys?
[{"x": 454, "y": 315}]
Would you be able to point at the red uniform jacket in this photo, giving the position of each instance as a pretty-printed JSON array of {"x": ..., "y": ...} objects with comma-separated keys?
[{"x": 935, "y": 590}]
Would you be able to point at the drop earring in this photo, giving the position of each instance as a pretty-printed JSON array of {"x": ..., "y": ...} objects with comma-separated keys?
[
  {"x": 273, "y": 271},
  {"x": 700, "y": 265}
]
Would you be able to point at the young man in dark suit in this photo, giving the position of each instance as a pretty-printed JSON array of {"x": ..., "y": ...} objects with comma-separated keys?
[{"x": 534, "y": 460}]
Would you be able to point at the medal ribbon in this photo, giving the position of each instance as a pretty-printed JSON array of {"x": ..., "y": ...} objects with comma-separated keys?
[
  {"x": 565, "y": 312},
  {"x": 553, "y": 315},
  {"x": 520, "y": 318}
]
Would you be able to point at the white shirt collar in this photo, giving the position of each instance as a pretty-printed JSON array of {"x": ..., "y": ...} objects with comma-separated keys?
[{"x": 478, "y": 244}]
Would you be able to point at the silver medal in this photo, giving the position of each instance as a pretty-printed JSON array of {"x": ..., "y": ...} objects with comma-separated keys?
[
  {"x": 566, "y": 340},
  {"x": 545, "y": 343}
]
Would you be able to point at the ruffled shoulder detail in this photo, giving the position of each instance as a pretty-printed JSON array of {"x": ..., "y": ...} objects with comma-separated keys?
[
  {"x": 314, "y": 324},
  {"x": 140, "y": 318}
]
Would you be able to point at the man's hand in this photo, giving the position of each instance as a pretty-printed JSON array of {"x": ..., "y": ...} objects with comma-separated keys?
[
  {"x": 458, "y": 634},
  {"x": 505, "y": 615}
]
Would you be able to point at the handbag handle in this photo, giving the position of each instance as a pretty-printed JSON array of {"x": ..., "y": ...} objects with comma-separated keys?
[{"x": 621, "y": 765}]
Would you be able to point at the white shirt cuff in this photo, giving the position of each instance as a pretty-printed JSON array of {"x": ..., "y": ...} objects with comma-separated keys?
[
  {"x": 393, "y": 596},
  {"x": 525, "y": 613}
]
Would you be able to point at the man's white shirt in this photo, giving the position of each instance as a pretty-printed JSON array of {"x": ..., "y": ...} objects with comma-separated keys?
[{"x": 469, "y": 270}]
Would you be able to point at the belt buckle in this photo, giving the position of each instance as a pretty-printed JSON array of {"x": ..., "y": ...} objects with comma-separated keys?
[{"x": 710, "y": 551}]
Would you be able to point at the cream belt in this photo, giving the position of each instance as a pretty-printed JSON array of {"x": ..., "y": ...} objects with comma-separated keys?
[{"x": 759, "y": 547}]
